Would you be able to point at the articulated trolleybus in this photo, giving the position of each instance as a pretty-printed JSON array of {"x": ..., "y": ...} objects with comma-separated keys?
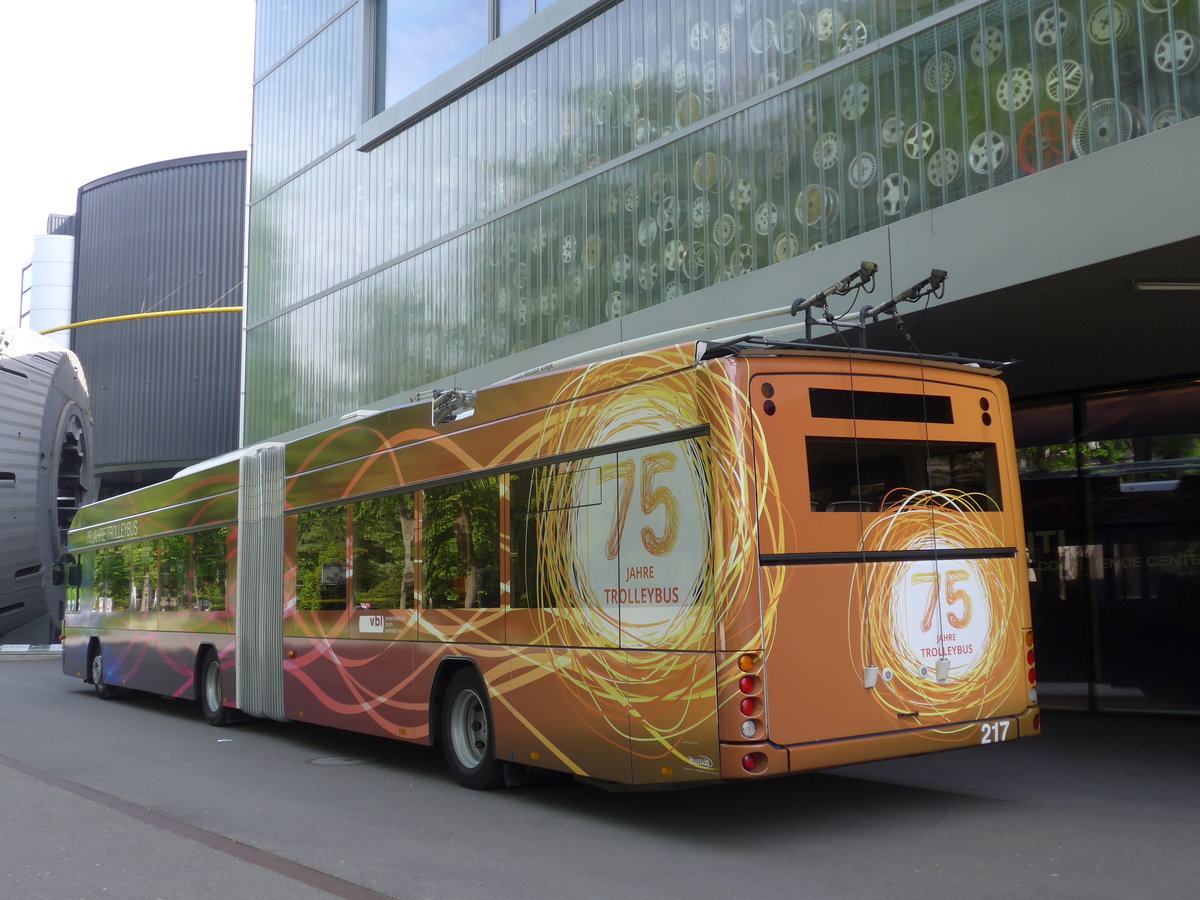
[{"x": 703, "y": 562}]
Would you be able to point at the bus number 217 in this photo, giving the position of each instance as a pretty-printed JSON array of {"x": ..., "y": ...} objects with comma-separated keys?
[{"x": 994, "y": 732}]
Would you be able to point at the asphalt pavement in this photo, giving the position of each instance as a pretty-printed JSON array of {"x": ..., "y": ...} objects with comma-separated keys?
[{"x": 139, "y": 799}]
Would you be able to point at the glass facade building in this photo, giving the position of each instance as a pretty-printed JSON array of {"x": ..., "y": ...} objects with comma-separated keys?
[{"x": 588, "y": 161}]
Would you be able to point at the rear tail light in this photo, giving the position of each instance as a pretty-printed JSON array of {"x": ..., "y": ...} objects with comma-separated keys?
[{"x": 754, "y": 762}]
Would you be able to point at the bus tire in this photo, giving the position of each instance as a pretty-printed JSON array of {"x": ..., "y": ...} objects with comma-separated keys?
[
  {"x": 468, "y": 736},
  {"x": 103, "y": 691},
  {"x": 215, "y": 713}
]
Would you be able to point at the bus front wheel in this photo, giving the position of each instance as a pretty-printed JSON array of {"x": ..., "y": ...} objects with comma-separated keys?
[
  {"x": 211, "y": 695},
  {"x": 468, "y": 738}
]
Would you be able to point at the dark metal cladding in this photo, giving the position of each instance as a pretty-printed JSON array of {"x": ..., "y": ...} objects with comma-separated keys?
[
  {"x": 45, "y": 476},
  {"x": 166, "y": 236}
]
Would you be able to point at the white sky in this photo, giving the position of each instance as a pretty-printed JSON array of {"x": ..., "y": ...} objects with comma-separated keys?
[{"x": 93, "y": 87}]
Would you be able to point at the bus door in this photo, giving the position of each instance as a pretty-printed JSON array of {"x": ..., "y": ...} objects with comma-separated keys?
[{"x": 888, "y": 545}]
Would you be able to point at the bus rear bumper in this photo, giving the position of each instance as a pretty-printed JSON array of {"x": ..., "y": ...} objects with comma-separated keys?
[{"x": 742, "y": 761}]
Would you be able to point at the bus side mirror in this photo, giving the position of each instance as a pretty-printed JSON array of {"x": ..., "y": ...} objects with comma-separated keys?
[
  {"x": 56, "y": 574},
  {"x": 75, "y": 575}
]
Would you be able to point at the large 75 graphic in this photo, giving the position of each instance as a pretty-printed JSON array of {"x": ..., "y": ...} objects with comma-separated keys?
[{"x": 651, "y": 496}]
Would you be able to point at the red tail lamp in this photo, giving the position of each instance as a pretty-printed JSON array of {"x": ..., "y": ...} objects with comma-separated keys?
[
  {"x": 748, "y": 684},
  {"x": 754, "y": 762}
]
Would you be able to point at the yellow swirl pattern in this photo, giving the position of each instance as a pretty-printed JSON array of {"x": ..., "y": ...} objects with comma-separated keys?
[{"x": 945, "y": 521}]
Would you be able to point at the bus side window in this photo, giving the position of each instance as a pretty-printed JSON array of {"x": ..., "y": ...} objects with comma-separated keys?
[
  {"x": 209, "y": 563},
  {"x": 172, "y": 572},
  {"x": 321, "y": 565},
  {"x": 460, "y": 526},
  {"x": 523, "y": 515},
  {"x": 142, "y": 558},
  {"x": 384, "y": 564},
  {"x": 111, "y": 579}
]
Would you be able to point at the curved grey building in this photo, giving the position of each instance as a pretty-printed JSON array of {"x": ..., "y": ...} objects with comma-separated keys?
[
  {"x": 45, "y": 476},
  {"x": 161, "y": 237}
]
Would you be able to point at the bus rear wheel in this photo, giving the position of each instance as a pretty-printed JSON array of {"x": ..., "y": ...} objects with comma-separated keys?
[
  {"x": 468, "y": 738},
  {"x": 103, "y": 691},
  {"x": 211, "y": 695}
]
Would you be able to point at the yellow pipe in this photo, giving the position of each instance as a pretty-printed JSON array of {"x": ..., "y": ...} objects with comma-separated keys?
[{"x": 148, "y": 315}]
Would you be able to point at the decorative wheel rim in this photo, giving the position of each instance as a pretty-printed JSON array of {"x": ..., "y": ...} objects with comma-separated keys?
[
  {"x": 828, "y": 150},
  {"x": 1065, "y": 81},
  {"x": 851, "y": 36},
  {"x": 724, "y": 38},
  {"x": 1104, "y": 27},
  {"x": 647, "y": 231},
  {"x": 892, "y": 130},
  {"x": 700, "y": 211},
  {"x": 831, "y": 205},
  {"x": 918, "y": 140},
  {"x": 648, "y": 274},
  {"x": 829, "y": 24},
  {"x": 793, "y": 29},
  {"x": 1158, "y": 6},
  {"x": 697, "y": 260},
  {"x": 987, "y": 153},
  {"x": 940, "y": 71},
  {"x": 855, "y": 100},
  {"x": 1044, "y": 142},
  {"x": 861, "y": 173},
  {"x": 943, "y": 167},
  {"x": 1015, "y": 89},
  {"x": 1103, "y": 124},
  {"x": 637, "y": 72},
  {"x": 615, "y": 307},
  {"x": 704, "y": 172},
  {"x": 810, "y": 204},
  {"x": 1175, "y": 53},
  {"x": 97, "y": 670},
  {"x": 742, "y": 260},
  {"x": 766, "y": 217},
  {"x": 987, "y": 47},
  {"x": 894, "y": 192},
  {"x": 741, "y": 194},
  {"x": 621, "y": 266},
  {"x": 1054, "y": 27},
  {"x": 787, "y": 245},
  {"x": 468, "y": 728},
  {"x": 701, "y": 33},
  {"x": 593, "y": 247},
  {"x": 762, "y": 36},
  {"x": 724, "y": 229},
  {"x": 668, "y": 214},
  {"x": 1166, "y": 116},
  {"x": 674, "y": 255}
]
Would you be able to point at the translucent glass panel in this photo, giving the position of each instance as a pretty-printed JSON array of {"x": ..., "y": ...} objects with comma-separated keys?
[
  {"x": 641, "y": 70},
  {"x": 468, "y": 249},
  {"x": 282, "y": 25},
  {"x": 307, "y": 106}
]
